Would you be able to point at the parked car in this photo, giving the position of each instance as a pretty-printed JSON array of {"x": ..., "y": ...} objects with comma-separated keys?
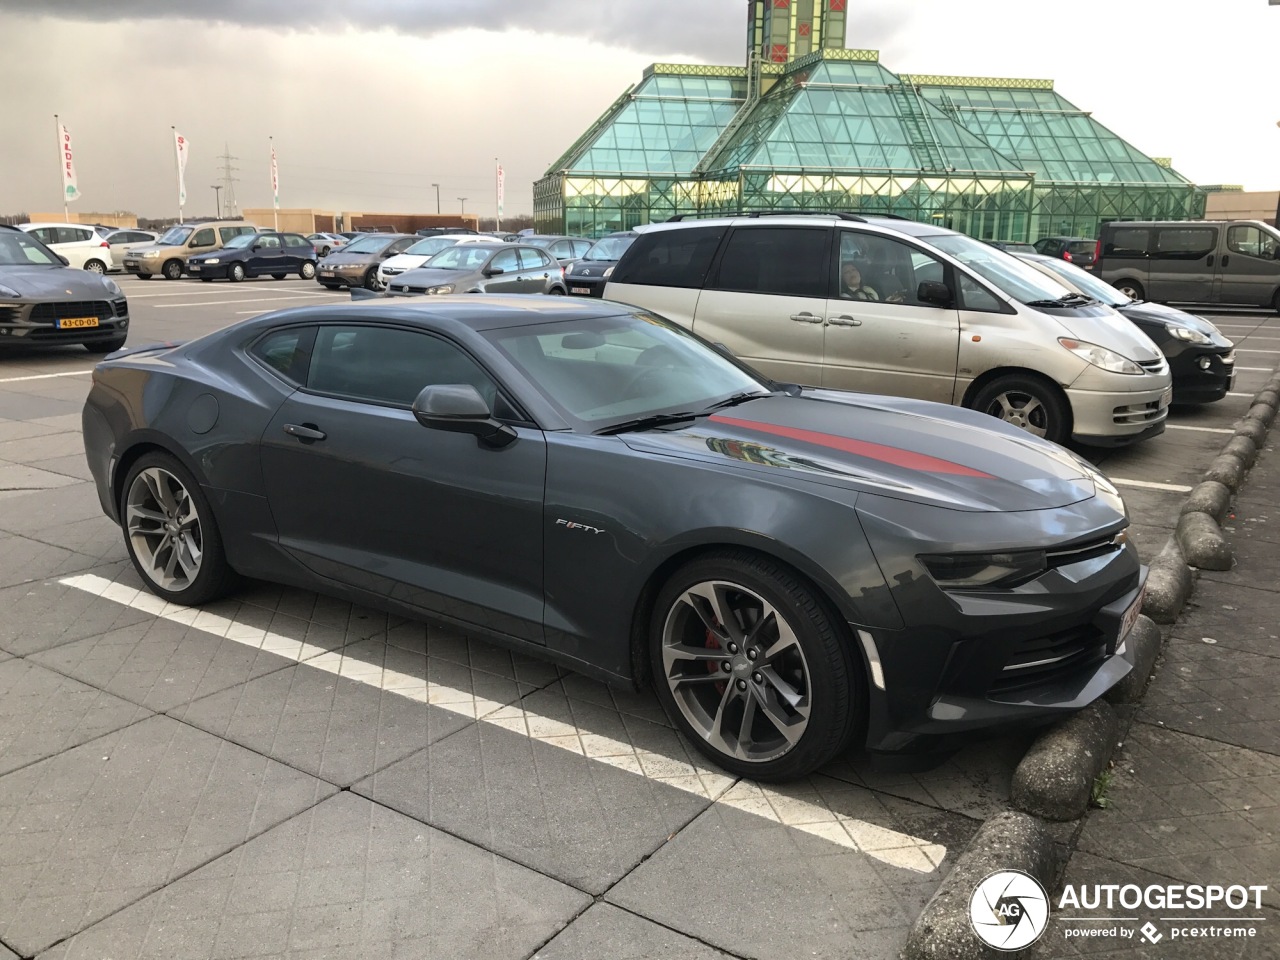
[
  {"x": 168, "y": 256},
  {"x": 356, "y": 264},
  {"x": 1009, "y": 246},
  {"x": 1201, "y": 360},
  {"x": 422, "y": 251},
  {"x": 563, "y": 249},
  {"x": 325, "y": 243},
  {"x": 43, "y": 301},
  {"x": 1077, "y": 250},
  {"x": 485, "y": 267},
  {"x": 586, "y": 277},
  {"x": 589, "y": 483},
  {"x": 1193, "y": 261},
  {"x": 878, "y": 304},
  {"x": 263, "y": 254},
  {"x": 81, "y": 244},
  {"x": 440, "y": 231},
  {"x": 120, "y": 242}
]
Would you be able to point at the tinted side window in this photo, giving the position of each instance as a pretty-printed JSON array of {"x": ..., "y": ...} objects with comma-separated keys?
[
  {"x": 670, "y": 258},
  {"x": 43, "y": 234},
  {"x": 288, "y": 352},
  {"x": 1251, "y": 242},
  {"x": 1185, "y": 243},
  {"x": 1127, "y": 242},
  {"x": 83, "y": 234},
  {"x": 389, "y": 365},
  {"x": 290, "y": 240},
  {"x": 531, "y": 259},
  {"x": 973, "y": 296},
  {"x": 507, "y": 261},
  {"x": 269, "y": 242},
  {"x": 791, "y": 261},
  {"x": 580, "y": 247},
  {"x": 562, "y": 250},
  {"x": 873, "y": 267},
  {"x": 202, "y": 238}
]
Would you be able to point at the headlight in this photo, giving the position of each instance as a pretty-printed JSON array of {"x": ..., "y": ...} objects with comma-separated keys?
[
  {"x": 442, "y": 288},
  {"x": 1189, "y": 335},
  {"x": 149, "y": 254},
  {"x": 1101, "y": 357},
  {"x": 8, "y": 291},
  {"x": 608, "y": 272},
  {"x": 210, "y": 260},
  {"x": 112, "y": 287},
  {"x": 971, "y": 570}
]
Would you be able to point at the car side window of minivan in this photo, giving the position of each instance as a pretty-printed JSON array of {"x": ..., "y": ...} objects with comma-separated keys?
[
  {"x": 872, "y": 267},
  {"x": 1128, "y": 242},
  {"x": 670, "y": 258},
  {"x": 1249, "y": 241},
  {"x": 786, "y": 261},
  {"x": 1185, "y": 243},
  {"x": 202, "y": 238}
]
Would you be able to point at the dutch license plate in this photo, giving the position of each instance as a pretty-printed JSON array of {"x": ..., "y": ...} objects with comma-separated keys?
[
  {"x": 1166, "y": 398},
  {"x": 326, "y": 273},
  {"x": 193, "y": 268},
  {"x": 1131, "y": 615},
  {"x": 131, "y": 263},
  {"x": 74, "y": 323},
  {"x": 582, "y": 290}
]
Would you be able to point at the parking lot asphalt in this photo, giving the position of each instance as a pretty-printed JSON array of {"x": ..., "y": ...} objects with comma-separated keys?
[{"x": 285, "y": 774}]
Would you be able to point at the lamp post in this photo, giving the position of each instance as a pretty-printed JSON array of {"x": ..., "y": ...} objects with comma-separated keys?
[
  {"x": 437, "y": 186},
  {"x": 463, "y": 201},
  {"x": 1277, "y": 220},
  {"x": 217, "y": 198}
]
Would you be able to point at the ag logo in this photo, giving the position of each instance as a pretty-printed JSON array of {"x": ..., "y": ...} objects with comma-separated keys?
[{"x": 1009, "y": 910}]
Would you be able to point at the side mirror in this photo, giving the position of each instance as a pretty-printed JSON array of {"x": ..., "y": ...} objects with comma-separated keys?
[
  {"x": 257, "y": 247},
  {"x": 935, "y": 293},
  {"x": 63, "y": 260},
  {"x": 459, "y": 408},
  {"x": 493, "y": 271}
]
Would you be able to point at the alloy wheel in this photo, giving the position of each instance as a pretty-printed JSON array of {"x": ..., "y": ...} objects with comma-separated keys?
[
  {"x": 736, "y": 671},
  {"x": 164, "y": 530},
  {"x": 1022, "y": 410}
]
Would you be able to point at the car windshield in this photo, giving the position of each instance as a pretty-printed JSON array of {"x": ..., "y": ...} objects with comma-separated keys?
[
  {"x": 241, "y": 241},
  {"x": 462, "y": 256},
  {"x": 1085, "y": 282},
  {"x": 430, "y": 246},
  {"x": 609, "y": 248},
  {"x": 1020, "y": 281},
  {"x": 367, "y": 245},
  {"x": 603, "y": 371},
  {"x": 21, "y": 250},
  {"x": 176, "y": 235}
]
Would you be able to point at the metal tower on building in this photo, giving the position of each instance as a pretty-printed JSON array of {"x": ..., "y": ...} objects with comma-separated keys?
[
  {"x": 779, "y": 31},
  {"x": 229, "y": 181}
]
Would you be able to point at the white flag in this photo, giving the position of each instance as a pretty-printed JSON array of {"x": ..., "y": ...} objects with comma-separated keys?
[
  {"x": 501, "y": 185},
  {"x": 275, "y": 178},
  {"x": 70, "y": 187},
  {"x": 180, "y": 145}
]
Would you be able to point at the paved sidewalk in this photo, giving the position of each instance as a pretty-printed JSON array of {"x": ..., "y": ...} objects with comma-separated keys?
[{"x": 1196, "y": 792}]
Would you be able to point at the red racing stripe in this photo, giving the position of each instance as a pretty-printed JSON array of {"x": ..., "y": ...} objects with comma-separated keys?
[{"x": 861, "y": 448}]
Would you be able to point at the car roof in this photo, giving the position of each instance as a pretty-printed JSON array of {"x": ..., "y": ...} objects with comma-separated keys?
[
  {"x": 54, "y": 223},
  {"x": 481, "y": 311},
  {"x": 889, "y": 224}
]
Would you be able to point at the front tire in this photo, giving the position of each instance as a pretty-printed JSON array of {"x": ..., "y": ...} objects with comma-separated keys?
[
  {"x": 235, "y": 273},
  {"x": 143, "y": 276},
  {"x": 105, "y": 346},
  {"x": 1026, "y": 402},
  {"x": 173, "y": 270},
  {"x": 371, "y": 279},
  {"x": 170, "y": 532},
  {"x": 753, "y": 668}
]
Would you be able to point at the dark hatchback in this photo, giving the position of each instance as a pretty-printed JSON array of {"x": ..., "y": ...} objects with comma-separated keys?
[
  {"x": 587, "y": 277},
  {"x": 795, "y": 570},
  {"x": 43, "y": 301},
  {"x": 264, "y": 254},
  {"x": 1202, "y": 361},
  {"x": 1078, "y": 250}
]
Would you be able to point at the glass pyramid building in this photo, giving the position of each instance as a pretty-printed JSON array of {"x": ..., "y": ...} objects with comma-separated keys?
[{"x": 810, "y": 125}]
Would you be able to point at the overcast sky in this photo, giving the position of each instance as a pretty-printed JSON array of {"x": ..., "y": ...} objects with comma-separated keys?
[{"x": 372, "y": 102}]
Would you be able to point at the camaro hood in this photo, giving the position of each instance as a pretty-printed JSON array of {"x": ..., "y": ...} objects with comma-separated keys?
[
  {"x": 55, "y": 283},
  {"x": 1145, "y": 312},
  {"x": 909, "y": 449}
]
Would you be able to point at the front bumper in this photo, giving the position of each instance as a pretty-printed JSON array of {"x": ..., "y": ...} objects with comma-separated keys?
[
  {"x": 1113, "y": 418},
  {"x": 352, "y": 275},
  {"x": 216, "y": 271},
  {"x": 138, "y": 266},
  {"x": 585, "y": 286},
  {"x": 1202, "y": 374},
  {"x": 40, "y": 321}
]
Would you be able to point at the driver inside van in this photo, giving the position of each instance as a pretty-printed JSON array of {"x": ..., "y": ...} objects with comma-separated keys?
[{"x": 851, "y": 285}]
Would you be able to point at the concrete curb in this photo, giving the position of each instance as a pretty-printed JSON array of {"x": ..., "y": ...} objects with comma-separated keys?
[
  {"x": 1006, "y": 841},
  {"x": 1055, "y": 778}
]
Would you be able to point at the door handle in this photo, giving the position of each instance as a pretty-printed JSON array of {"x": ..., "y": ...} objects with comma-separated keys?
[
  {"x": 305, "y": 432},
  {"x": 844, "y": 321},
  {"x": 1226, "y": 258},
  {"x": 1210, "y": 261},
  {"x": 805, "y": 316}
]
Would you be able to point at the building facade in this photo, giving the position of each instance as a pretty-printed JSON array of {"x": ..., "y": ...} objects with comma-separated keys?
[{"x": 808, "y": 124}]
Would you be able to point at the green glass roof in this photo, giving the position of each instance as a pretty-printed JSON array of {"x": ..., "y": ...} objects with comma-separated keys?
[
  {"x": 663, "y": 128},
  {"x": 1045, "y": 133},
  {"x": 843, "y": 115}
]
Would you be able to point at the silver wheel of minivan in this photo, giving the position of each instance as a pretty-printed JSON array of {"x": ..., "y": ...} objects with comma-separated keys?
[
  {"x": 1131, "y": 289},
  {"x": 1028, "y": 403}
]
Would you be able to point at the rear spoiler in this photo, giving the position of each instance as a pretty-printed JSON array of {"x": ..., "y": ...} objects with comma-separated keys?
[{"x": 149, "y": 348}]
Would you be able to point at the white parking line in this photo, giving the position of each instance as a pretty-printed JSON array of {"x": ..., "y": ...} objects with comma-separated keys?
[
  {"x": 1257, "y": 369},
  {"x": 213, "y": 303},
  {"x": 1241, "y": 395},
  {"x": 1180, "y": 426},
  {"x": 798, "y": 805},
  {"x": 1243, "y": 350},
  {"x": 1151, "y": 485},
  {"x": 1249, "y": 336},
  {"x": 47, "y": 376}
]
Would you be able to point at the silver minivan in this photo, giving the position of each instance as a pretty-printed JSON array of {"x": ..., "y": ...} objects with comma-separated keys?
[
  {"x": 889, "y": 306},
  {"x": 1192, "y": 261}
]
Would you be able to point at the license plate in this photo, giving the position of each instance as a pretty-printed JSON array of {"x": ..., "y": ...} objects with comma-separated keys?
[
  {"x": 326, "y": 273},
  {"x": 193, "y": 268},
  {"x": 1166, "y": 398},
  {"x": 585, "y": 290},
  {"x": 131, "y": 263},
  {"x": 1131, "y": 616},
  {"x": 74, "y": 323}
]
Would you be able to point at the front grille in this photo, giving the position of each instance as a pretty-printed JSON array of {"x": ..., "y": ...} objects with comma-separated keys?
[
  {"x": 1040, "y": 661},
  {"x": 1138, "y": 413},
  {"x": 49, "y": 312},
  {"x": 1156, "y": 366},
  {"x": 1229, "y": 358},
  {"x": 392, "y": 271},
  {"x": 122, "y": 308},
  {"x": 10, "y": 313},
  {"x": 1084, "y": 551}
]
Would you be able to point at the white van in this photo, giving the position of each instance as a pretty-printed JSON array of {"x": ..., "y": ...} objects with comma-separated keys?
[{"x": 890, "y": 306}]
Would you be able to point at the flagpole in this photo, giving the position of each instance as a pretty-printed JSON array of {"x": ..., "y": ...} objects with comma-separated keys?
[
  {"x": 57, "y": 129},
  {"x": 497, "y": 199},
  {"x": 177, "y": 173},
  {"x": 275, "y": 186}
]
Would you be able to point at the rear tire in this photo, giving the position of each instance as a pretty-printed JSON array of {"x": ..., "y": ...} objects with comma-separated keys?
[
  {"x": 170, "y": 532},
  {"x": 278, "y": 276},
  {"x": 206, "y": 279},
  {"x": 1131, "y": 289},
  {"x": 330, "y": 286},
  {"x": 792, "y": 697},
  {"x": 324, "y": 251},
  {"x": 1275, "y": 302},
  {"x": 95, "y": 266},
  {"x": 1027, "y": 402},
  {"x": 173, "y": 270}
]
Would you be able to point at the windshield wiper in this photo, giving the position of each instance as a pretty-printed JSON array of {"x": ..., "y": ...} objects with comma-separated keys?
[
  {"x": 1066, "y": 300},
  {"x": 736, "y": 399},
  {"x": 645, "y": 423}
]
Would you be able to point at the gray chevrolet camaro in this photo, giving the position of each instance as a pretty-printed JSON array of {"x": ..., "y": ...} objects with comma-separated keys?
[{"x": 797, "y": 571}]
